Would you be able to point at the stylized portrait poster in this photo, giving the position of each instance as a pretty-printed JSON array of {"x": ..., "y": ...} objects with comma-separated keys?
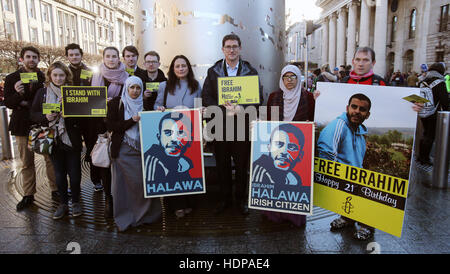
[
  {"x": 282, "y": 167},
  {"x": 364, "y": 144},
  {"x": 171, "y": 150}
]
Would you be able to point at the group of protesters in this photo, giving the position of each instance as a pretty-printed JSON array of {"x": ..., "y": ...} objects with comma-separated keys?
[{"x": 127, "y": 96}]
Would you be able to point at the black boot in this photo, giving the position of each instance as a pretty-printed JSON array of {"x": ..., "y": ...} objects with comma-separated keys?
[{"x": 108, "y": 206}]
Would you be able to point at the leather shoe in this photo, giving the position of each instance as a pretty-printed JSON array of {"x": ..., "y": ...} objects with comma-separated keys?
[
  {"x": 221, "y": 207},
  {"x": 26, "y": 202}
]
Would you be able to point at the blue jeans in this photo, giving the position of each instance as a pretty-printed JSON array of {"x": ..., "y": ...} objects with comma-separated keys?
[{"x": 67, "y": 161}]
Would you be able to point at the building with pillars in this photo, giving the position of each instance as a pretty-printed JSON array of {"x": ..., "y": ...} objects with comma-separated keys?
[
  {"x": 94, "y": 24},
  {"x": 403, "y": 33}
]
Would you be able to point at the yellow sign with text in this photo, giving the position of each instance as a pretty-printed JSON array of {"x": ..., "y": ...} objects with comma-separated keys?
[
  {"x": 369, "y": 197},
  {"x": 241, "y": 90},
  {"x": 28, "y": 77},
  {"x": 152, "y": 86}
]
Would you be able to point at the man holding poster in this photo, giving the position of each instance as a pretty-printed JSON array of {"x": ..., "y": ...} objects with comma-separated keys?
[
  {"x": 363, "y": 62},
  {"x": 236, "y": 147}
]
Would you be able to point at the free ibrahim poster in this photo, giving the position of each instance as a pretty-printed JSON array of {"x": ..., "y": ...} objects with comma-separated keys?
[
  {"x": 282, "y": 167},
  {"x": 363, "y": 154},
  {"x": 171, "y": 151}
]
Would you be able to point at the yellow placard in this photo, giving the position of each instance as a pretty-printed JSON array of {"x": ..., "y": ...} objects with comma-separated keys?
[
  {"x": 369, "y": 197},
  {"x": 416, "y": 99},
  {"x": 84, "y": 101},
  {"x": 152, "y": 86},
  {"x": 48, "y": 108},
  {"x": 28, "y": 77},
  {"x": 240, "y": 90},
  {"x": 130, "y": 71},
  {"x": 86, "y": 74}
]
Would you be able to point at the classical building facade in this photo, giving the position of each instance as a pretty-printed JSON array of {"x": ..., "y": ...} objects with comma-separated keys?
[
  {"x": 94, "y": 24},
  {"x": 403, "y": 33}
]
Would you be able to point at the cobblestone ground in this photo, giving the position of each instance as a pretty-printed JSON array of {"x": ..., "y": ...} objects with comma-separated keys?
[{"x": 33, "y": 231}]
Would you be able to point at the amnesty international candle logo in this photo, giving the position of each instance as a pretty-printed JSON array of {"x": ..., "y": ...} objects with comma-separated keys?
[
  {"x": 281, "y": 170},
  {"x": 348, "y": 205},
  {"x": 171, "y": 151},
  {"x": 84, "y": 101},
  {"x": 240, "y": 90}
]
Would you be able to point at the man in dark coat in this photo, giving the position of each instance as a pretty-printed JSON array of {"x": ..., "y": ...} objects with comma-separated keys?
[
  {"x": 20, "y": 89},
  {"x": 238, "y": 149}
]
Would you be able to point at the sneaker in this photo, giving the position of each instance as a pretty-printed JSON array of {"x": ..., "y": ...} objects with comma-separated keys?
[
  {"x": 26, "y": 202},
  {"x": 60, "y": 212},
  {"x": 98, "y": 187},
  {"x": 69, "y": 192},
  {"x": 76, "y": 210}
]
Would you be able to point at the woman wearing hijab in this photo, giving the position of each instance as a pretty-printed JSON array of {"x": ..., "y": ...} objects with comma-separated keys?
[
  {"x": 112, "y": 75},
  {"x": 66, "y": 152},
  {"x": 295, "y": 104},
  {"x": 130, "y": 206}
]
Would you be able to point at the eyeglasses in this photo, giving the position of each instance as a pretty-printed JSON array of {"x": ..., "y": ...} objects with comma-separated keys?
[
  {"x": 292, "y": 77},
  {"x": 231, "y": 47},
  {"x": 151, "y": 62}
]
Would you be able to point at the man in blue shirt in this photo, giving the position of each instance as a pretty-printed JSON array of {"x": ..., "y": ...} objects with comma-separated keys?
[{"x": 342, "y": 140}]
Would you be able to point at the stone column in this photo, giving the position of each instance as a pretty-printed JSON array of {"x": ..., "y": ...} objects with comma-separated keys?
[
  {"x": 380, "y": 35},
  {"x": 364, "y": 26},
  {"x": 340, "y": 41},
  {"x": 324, "y": 41},
  {"x": 351, "y": 35},
  {"x": 332, "y": 42}
]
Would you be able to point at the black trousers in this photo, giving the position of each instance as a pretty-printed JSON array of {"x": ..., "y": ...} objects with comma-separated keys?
[
  {"x": 239, "y": 151},
  {"x": 429, "y": 133}
]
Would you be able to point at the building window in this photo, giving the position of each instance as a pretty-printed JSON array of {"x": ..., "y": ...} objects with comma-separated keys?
[
  {"x": 45, "y": 9},
  {"x": 47, "y": 38},
  {"x": 440, "y": 56},
  {"x": 444, "y": 18},
  {"x": 7, "y": 5},
  {"x": 394, "y": 28},
  {"x": 34, "y": 35},
  {"x": 31, "y": 9},
  {"x": 412, "y": 24},
  {"x": 10, "y": 30}
]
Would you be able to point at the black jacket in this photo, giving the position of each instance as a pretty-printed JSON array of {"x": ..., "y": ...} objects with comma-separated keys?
[
  {"x": 149, "y": 102},
  {"x": 116, "y": 123},
  {"x": 72, "y": 124},
  {"x": 210, "y": 93},
  {"x": 76, "y": 73},
  {"x": 20, "y": 122}
]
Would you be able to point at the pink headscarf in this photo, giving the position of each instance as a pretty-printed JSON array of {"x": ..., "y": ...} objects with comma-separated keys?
[{"x": 116, "y": 77}]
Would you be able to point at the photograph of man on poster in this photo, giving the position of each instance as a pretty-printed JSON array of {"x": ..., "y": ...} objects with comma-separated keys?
[
  {"x": 282, "y": 163},
  {"x": 285, "y": 151},
  {"x": 165, "y": 161},
  {"x": 343, "y": 139}
]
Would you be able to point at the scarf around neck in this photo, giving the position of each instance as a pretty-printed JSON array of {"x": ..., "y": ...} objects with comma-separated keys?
[
  {"x": 357, "y": 77},
  {"x": 291, "y": 98},
  {"x": 53, "y": 97},
  {"x": 116, "y": 77}
]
